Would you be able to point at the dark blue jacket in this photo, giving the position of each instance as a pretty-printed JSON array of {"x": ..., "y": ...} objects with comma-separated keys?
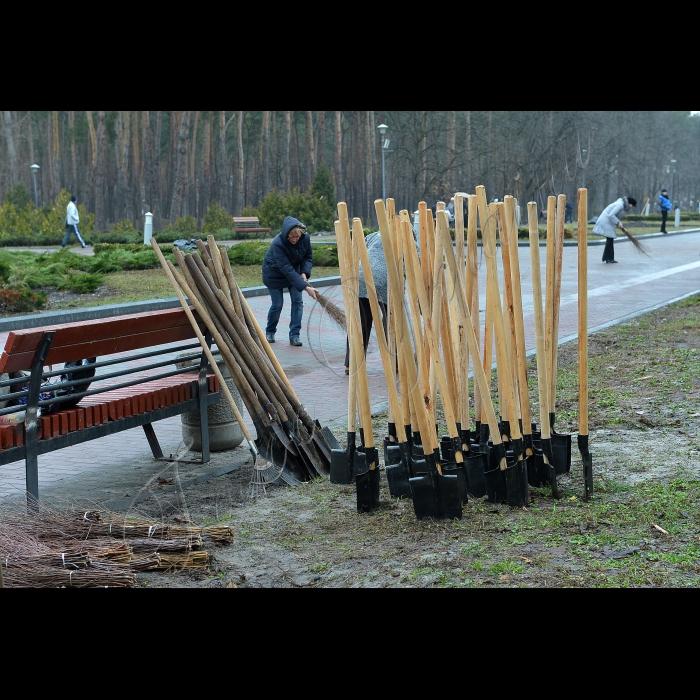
[{"x": 284, "y": 263}]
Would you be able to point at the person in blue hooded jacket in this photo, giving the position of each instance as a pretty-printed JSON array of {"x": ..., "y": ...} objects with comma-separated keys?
[
  {"x": 665, "y": 206},
  {"x": 287, "y": 265}
]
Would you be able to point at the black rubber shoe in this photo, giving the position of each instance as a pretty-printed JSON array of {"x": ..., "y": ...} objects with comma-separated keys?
[
  {"x": 270, "y": 338},
  {"x": 296, "y": 342}
]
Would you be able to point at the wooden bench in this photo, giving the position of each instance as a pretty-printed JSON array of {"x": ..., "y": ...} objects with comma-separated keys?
[
  {"x": 129, "y": 388},
  {"x": 248, "y": 224}
]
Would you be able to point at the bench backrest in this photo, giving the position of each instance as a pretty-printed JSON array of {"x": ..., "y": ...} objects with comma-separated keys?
[
  {"x": 246, "y": 221},
  {"x": 106, "y": 336}
]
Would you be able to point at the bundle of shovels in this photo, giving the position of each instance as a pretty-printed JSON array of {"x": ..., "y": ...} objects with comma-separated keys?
[
  {"x": 433, "y": 340},
  {"x": 290, "y": 446}
]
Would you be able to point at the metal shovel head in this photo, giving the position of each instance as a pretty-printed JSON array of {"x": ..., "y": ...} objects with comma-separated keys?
[
  {"x": 548, "y": 472},
  {"x": 494, "y": 476},
  {"x": 561, "y": 448},
  {"x": 390, "y": 440},
  {"x": 396, "y": 470},
  {"x": 366, "y": 480},
  {"x": 291, "y": 469},
  {"x": 587, "y": 463},
  {"x": 436, "y": 495},
  {"x": 341, "y": 462},
  {"x": 454, "y": 469},
  {"x": 331, "y": 439},
  {"x": 447, "y": 449},
  {"x": 475, "y": 465},
  {"x": 484, "y": 438}
]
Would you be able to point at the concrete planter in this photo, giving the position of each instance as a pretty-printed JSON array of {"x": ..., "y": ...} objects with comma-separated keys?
[{"x": 224, "y": 431}]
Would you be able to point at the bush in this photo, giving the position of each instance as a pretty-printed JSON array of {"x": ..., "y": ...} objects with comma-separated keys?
[
  {"x": 83, "y": 282},
  {"x": 325, "y": 255},
  {"x": 215, "y": 219},
  {"x": 185, "y": 224},
  {"x": 13, "y": 300},
  {"x": 315, "y": 207},
  {"x": 123, "y": 226},
  {"x": 251, "y": 253}
]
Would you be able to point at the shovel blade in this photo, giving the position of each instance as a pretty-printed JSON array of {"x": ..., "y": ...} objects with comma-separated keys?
[
  {"x": 475, "y": 465},
  {"x": 366, "y": 480},
  {"x": 561, "y": 452},
  {"x": 494, "y": 476},
  {"x": 396, "y": 471},
  {"x": 587, "y": 463},
  {"x": 436, "y": 495},
  {"x": 341, "y": 462},
  {"x": 331, "y": 439},
  {"x": 549, "y": 473},
  {"x": 455, "y": 469}
]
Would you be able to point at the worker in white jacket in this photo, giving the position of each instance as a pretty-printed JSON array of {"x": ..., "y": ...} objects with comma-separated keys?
[{"x": 72, "y": 220}]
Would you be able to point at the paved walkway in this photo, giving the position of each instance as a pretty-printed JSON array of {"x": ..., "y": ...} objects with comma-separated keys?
[{"x": 114, "y": 470}]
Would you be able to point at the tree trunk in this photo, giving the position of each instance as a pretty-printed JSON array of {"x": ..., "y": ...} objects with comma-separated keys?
[
  {"x": 321, "y": 147},
  {"x": 205, "y": 175},
  {"x": 338, "y": 156},
  {"x": 264, "y": 176},
  {"x": 286, "y": 164},
  {"x": 471, "y": 188},
  {"x": 192, "y": 203},
  {"x": 124, "y": 204},
  {"x": 239, "y": 202},
  {"x": 180, "y": 168},
  {"x": 100, "y": 171},
  {"x": 75, "y": 185},
  {"x": 12, "y": 163},
  {"x": 157, "y": 180},
  {"x": 311, "y": 158},
  {"x": 370, "y": 194},
  {"x": 451, "y": 150}
]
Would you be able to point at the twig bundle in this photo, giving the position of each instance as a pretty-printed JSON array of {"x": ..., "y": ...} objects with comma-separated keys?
[{"x": 336, "y": 313}]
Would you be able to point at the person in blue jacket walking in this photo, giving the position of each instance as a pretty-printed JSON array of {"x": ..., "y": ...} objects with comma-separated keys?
[
  {"x": 287, "y": 265},
  {"x": 665, "y": 206}
]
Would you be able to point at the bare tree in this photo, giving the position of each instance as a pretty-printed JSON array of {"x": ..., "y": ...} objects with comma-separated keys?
[{"x": 100, "y": 171}]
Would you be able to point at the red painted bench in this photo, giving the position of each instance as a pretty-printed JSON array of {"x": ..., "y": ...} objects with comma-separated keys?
[{"x": 136, "y": 383}]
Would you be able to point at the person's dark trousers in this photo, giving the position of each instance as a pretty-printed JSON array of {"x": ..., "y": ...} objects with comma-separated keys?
[
  {"x": 664, "y": 216},
  {"x": 609, "y": 250},
  {"x": 273, "y": 315},
  {"x": 72, "y": 229},
  {"x": 366, "y": 323}
]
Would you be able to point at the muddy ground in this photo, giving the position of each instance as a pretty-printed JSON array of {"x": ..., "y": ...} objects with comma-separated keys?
[{"x": 640, "y": 529}]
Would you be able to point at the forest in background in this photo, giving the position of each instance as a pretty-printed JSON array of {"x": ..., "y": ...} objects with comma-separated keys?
[{"x": 121, "y": 164}]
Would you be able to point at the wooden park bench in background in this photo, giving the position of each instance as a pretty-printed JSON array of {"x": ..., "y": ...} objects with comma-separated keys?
[
  {"x": 136, "y": 383},
  {"x": 248, "y": 224}
]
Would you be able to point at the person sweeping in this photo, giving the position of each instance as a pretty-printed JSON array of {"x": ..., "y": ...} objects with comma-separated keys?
[
  {"x": 609, "y": 220},
  {"x": 287, "y": 265}
]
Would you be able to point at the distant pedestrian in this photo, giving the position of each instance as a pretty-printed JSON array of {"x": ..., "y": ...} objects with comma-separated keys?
[
  {"x": 569, "y": 215},
  {"x": 287, "y": 265},
  {"x": 665, "y": 206},
  {"x": 72, "y": 221},
  {"x": 609, "y": 220}
]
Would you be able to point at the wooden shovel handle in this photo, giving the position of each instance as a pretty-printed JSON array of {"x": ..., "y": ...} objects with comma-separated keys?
[
  {"x": 402, "y": 335},
  {"x": 583, "y": 311},
  {"x": 203, "y": 343},
  {"x": 542, "y": 373},
  {"x": 520, "y": 350}
]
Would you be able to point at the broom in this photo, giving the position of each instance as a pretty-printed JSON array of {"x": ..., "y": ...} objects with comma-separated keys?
[
  {"x": 637, "y": 244},
  {"x": 334, "y": 312}
]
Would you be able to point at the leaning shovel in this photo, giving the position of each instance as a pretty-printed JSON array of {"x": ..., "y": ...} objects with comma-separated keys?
[{"x": 586, "y": 460}]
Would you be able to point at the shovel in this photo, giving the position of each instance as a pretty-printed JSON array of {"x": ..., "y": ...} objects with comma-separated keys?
[
  {"x": 397, "y": 457},
  {"x": 435, "y": 495},
  {"x": 342, "y": 461},
  {"x": 268, "y": 472},
  {"x": 582, "y": 439},
  {"x": 561, "y": 443},
  {"x": 548, "y": 472},
  {"x": 453, "y": 461},
  {"x": 496, "y": 457},
  {"x": 515, "y": 491}
]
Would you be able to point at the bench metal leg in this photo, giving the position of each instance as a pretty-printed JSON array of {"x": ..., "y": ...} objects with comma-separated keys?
[
  {"x": 203, "y": 389},
  {"x": 152, "y": 440},
  {"x": 31, "y": 422}
]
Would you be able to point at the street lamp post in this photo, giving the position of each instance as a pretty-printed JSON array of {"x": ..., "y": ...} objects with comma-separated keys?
[
  {"x": 673, "y": 184},
  {"x": 382, "y": 130},
  {"x": 34, "y": 168}
]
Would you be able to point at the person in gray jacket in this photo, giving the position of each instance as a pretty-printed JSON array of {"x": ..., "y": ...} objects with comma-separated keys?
[
  {"x": 609, "y": 220},
  {"x": 377, "y": 261}
]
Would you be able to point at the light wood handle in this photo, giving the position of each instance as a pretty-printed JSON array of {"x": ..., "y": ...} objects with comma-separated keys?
[
  {"x": 583, "y": 311},
  {"x": 542, "y": 374}
]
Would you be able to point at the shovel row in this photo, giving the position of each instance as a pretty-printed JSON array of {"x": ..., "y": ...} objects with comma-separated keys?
[
  {"x": 290, "y": 446},
  {"x": 435, "y": 339}
]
